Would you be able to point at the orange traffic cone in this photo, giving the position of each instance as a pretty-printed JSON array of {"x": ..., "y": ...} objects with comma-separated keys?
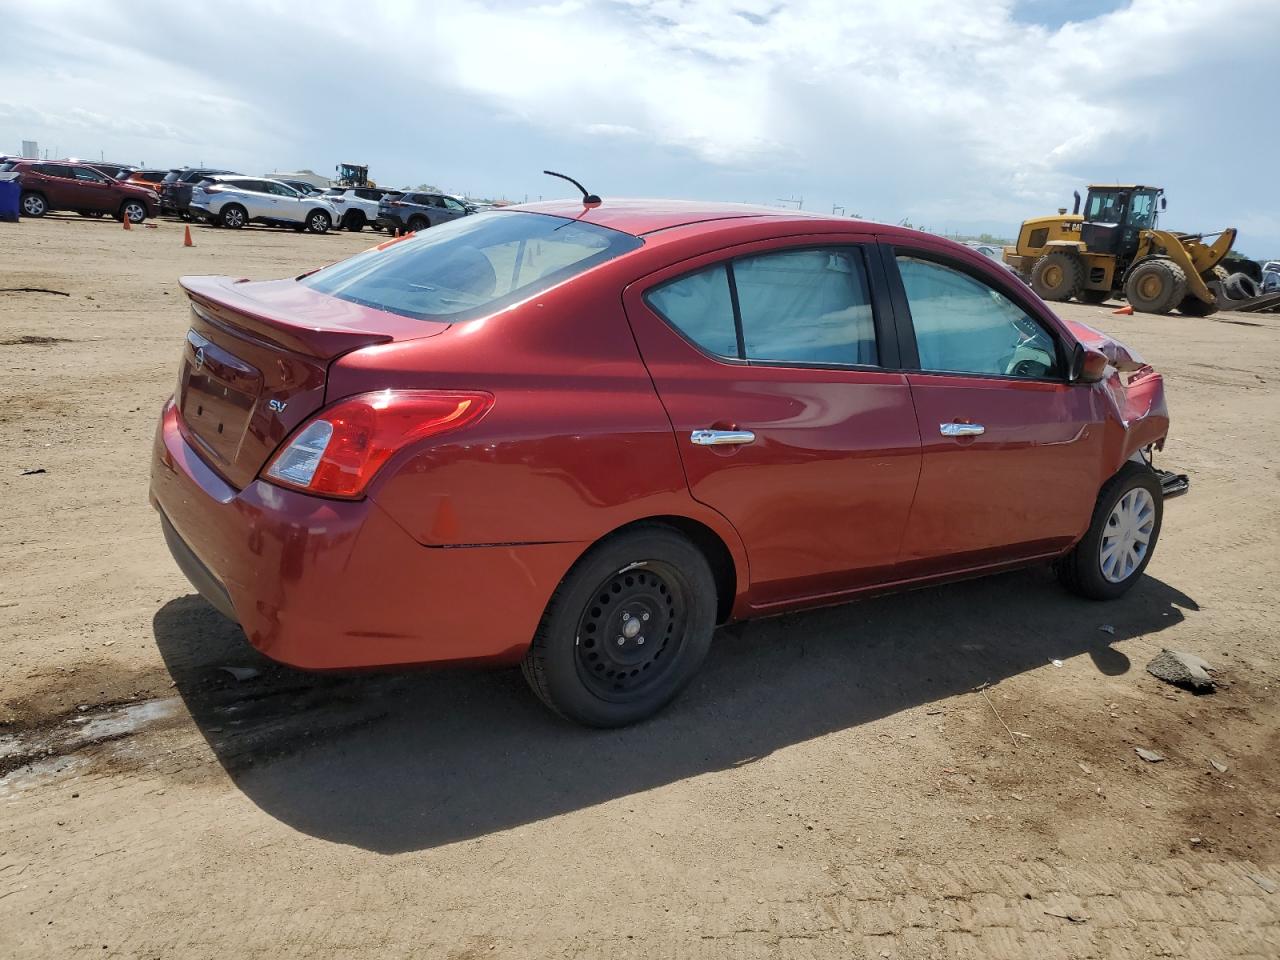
[
  {"x": 186, "y": 237},
  {"x": 127, "y": 224},
  {"x": 1126, "y": 311}
]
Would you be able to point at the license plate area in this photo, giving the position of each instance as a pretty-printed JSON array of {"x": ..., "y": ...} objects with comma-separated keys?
[{"x": 217, "y": 396}]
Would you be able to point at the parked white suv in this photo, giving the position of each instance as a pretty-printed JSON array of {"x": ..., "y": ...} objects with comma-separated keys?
[
  {"x": 357, "y": 206},
  {"x": 233, "y": 201}
]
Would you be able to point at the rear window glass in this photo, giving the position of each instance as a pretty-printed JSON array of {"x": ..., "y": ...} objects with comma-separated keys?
[{"x": 472, "y": 266}]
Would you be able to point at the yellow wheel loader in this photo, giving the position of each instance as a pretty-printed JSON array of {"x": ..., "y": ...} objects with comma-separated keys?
[{"x": 1116, "y": 248}]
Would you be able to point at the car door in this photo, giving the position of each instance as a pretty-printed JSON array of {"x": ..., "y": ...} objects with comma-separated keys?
[
  {"x": 288, "y": 202},
  {"x": 94, "y": 190},
  {"x": 777, "y": 368},
  {"x": 258, "y": 200},
  {"x": 61, "y": 188},
  {"x": 452, "y": 209},
  {"x": 1011, "y": 449}
]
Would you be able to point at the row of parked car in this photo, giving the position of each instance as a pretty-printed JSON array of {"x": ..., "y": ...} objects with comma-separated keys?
[{"x": 222, "y": 197}]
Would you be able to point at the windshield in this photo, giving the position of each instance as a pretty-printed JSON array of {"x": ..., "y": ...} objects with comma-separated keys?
[
  {"x": 472, "y": 266},
  {"x": 1142, "y": 209}
]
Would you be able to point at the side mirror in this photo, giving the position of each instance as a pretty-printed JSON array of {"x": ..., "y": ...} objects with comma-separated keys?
[
  {"x": 1164, "y": 204},
  {"x": 1087, "y": 366}
]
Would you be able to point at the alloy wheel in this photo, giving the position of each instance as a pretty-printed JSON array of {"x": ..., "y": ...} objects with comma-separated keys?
[
  {"x": 33, "y": 206},
  {"x": 1127, "y": 535}
]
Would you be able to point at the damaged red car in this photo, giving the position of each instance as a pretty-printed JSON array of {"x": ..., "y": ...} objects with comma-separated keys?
[{"x": 578, "y": 436}]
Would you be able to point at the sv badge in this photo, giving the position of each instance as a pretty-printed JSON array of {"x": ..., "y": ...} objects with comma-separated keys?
[{"x": 276, "y": 406}]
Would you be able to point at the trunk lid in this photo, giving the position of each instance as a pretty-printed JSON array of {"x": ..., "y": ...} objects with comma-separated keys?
[{"x": 256, "y": 360}]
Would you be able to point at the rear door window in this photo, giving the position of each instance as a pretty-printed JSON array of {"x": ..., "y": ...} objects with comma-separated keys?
[
  {"x": 809, "y": 306},
  {"x": 963, "y": 325},
  {"x": 700, "y": 306}
]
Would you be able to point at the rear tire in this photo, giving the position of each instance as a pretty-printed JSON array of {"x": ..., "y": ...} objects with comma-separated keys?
[
  {"x": 34, "y": 204},
  {"x": 233, "y": 216},
  {"x": 1057, "y": 276},
  {"x": 649, "y": 588},
  {"x": 1155, "y": 286},
  {"x": 418, "y": 223},
  {"x": 354, "y": 221},
  {"x": 1112, "y": 554}
]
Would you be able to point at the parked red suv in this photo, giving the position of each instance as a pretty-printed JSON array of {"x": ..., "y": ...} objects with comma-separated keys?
[
  {"x": 61, "y": 185},
  {"x": 579, "y": 437}
]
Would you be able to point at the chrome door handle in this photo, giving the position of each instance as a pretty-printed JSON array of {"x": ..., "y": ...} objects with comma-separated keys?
[
  {"x": 714, "y": 438},
  {"x": 961, "y": 429}
]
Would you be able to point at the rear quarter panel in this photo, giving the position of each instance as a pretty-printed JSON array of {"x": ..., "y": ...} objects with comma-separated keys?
[{"x": 576, "y": 444}]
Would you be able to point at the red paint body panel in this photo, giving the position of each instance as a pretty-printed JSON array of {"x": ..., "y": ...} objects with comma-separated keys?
[
  {"x": 327, "y": 584},
  {"x": 462, "y": 538}
]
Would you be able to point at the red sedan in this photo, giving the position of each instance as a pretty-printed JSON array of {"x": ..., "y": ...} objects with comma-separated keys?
[{"x": 578, "y": 437}]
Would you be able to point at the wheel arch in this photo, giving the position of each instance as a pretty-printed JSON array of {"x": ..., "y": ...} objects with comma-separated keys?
[{"x": 729, "y": 572}]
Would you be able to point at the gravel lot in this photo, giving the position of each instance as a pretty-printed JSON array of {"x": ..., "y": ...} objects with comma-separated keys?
[{"x": 832, "y": 786}]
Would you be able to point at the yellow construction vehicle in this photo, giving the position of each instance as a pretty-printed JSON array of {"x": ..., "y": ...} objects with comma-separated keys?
[{"x": 1115, "y": 247}]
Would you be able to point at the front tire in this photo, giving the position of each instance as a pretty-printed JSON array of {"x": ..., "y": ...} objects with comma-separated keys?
[
  {"x": 134, "y": 210},
  {"x": 318, "y": 221},
  {"x": 1121, "y": 537},
  {"x": 626, "y": 629},
  {"x": 1057, "y": 276},
  {"x": 1155, "y": 286}
]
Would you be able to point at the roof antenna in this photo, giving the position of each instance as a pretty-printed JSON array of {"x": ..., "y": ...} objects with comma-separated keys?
[{"x": 588, "y": 199}]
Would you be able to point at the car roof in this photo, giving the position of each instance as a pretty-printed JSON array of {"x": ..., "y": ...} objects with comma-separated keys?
[{"x": 642, "y": 217}]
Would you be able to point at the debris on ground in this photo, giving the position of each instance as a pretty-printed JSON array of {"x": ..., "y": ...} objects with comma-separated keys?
[
  {"x": 33, "y": 472},
  {"x": 29, "y": 340},
  {"x": 1218, "y": 765},
  {"x": 1149, "y": 755},
  {"x": 1070, "y": 917},
  {"x": 1184, "y": 670},
  {"x": 241, "y": 673},
  {"x": 1264, "y": 883},
  {"x": 1108, "y": 628}
]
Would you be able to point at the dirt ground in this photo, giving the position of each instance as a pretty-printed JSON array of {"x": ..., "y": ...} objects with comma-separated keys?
[{"x": 832, "y": 786}]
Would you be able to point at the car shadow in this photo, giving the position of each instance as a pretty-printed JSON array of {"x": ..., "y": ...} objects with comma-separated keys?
[{"x": 401, "y": 762}]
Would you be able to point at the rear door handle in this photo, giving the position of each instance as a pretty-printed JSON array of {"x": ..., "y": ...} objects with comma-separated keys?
[
  {"x": 715, "y": 438},
  {"x": 961, "y": 429}
]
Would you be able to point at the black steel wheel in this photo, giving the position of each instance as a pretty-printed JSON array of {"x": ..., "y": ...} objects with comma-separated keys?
[
  {"x": 637, "y": 616},
  {"x": 625, "y": 630}
]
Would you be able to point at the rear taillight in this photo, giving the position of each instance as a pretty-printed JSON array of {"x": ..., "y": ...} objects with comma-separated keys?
[{"x": 339, "y": 450}]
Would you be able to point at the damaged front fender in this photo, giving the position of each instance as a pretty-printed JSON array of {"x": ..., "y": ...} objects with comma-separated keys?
[{"x": 1136, "y": 392}]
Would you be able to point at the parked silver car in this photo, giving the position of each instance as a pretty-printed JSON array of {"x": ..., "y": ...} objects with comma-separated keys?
[{"x": 233, "y": 201}]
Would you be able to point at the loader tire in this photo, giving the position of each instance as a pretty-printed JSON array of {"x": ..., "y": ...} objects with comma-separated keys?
[
  {"x": 1240, "y": 286},
  {"x": 1216, "y": 273},
  {"x": 1094, "y": 297},
  {"x": 1155, "y": 286},
  {"x": 1057, "y": 276}
]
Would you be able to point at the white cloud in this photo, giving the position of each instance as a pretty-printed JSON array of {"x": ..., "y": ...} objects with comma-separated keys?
[{"x": 941, "y": 110}]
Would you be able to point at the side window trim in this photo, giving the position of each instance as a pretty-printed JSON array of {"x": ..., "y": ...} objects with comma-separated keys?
[
  {"x": 882, "y": 314},
  {"x": 906, "y": 328}
]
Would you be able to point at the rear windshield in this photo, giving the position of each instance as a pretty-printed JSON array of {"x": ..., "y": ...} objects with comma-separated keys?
[{"x": 472, "y": 266}]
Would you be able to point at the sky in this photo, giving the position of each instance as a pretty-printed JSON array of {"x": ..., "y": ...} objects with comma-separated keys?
[{"x": 954, "y": 115}]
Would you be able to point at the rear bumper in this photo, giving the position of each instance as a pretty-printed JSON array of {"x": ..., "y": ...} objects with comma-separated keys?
[
  {"x": 326, "y": 584},
  {"x": 390, "y": 222}
]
